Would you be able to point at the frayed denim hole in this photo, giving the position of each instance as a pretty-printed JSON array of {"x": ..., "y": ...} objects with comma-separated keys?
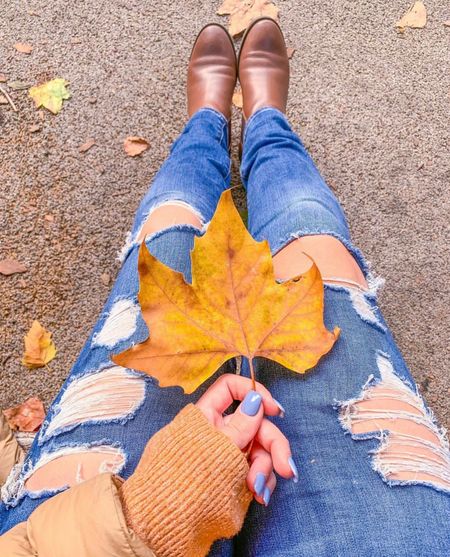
[
  {"x": 120, "y": 323},
  {"x": 110, "y": 395},
  {"x": 401, "y": 458}
]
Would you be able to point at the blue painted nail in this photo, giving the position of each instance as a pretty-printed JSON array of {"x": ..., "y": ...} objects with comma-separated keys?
[
  {"x": 260, "y": 483},
  {"x": 266, "y": 496},
  {"x": 282, "y": 410},
  {"x": 251, "y": 403},
  {"x": 294, "y": 469}
]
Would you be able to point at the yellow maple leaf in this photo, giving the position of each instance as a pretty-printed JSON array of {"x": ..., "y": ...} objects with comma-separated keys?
[
  {"x": 243, "y": 12},
  {"x": 50, "y": 95},
  {"x": 39, "y": 347},
  {"x": 233, "y": 307}
]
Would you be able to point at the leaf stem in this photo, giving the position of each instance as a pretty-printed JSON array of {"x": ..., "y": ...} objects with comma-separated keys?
[{"x": 252, "y": 373}]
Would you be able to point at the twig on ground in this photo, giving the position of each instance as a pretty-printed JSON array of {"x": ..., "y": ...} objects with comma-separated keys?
[{"x": 8, "y": 98}]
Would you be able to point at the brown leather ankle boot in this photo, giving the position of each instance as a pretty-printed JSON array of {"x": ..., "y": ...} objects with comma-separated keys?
[
  {"x": 212, "y": 71},
  {"x": 263, "y": 68}
]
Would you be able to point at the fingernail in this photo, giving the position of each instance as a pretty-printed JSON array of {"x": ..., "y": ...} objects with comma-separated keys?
[
  {"x": 294, "y": 469},
  {"x": 282, "y": 410},
  {"x": 259, "y": 484},
  {"x": 251, "y": 403},
  {"x": 266, "y": 496}
]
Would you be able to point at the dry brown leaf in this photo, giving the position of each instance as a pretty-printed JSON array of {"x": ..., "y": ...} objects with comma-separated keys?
[
  {"x": 243, "y": 12},
  {"x": 27, "y": 416},
  {"x": 134, "y": 145},
  {"x": 105, "y": 278},
  {"x": 35, "y": 128},
  {"x": 11, "y": 267},
  {"x": 3, "y": 100},
  {"x": 415, "y": 17},
  {"x": 49, "y": 218},
  {"x": 87, "y": 145},
  {"x": 24, "y": 48},
  {"x": 237, "y": 99},
  {"x": 39, "y": 347},
  {"x": 290, "y": 52}
]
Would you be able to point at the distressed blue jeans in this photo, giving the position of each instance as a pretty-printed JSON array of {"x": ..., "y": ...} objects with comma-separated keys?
[{"x": 358, "y": 494}]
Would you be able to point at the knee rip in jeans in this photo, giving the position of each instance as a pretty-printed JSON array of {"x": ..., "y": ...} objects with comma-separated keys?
[
  {"x": 413, "y": 448},
  {"x": 113, "y": 394},
  {"x": 168, "y": 214}
]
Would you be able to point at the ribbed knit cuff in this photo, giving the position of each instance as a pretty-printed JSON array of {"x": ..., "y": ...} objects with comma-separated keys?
[{"x": 189, "y": 488}]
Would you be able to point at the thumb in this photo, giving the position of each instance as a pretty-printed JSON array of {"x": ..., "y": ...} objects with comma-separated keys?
[{"x": 243, "y": 425}]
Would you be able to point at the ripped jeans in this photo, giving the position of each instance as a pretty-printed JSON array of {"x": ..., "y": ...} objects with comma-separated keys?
[{"x": 348, "y": 420}]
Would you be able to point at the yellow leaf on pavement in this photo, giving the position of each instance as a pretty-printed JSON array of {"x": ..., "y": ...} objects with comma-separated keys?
[
  {"x": 243, "y": 12},
  {"x": 233, "y": 307},
  {"x": 50, "y": 95},
  {"x": 39, "y": 347},
  {"x": 415, "y": 17}
]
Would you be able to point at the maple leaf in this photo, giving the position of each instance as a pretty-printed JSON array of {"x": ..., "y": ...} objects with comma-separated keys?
[
  {"x": 233, "y": 307},
  {"x": 50, "y": 95},
  {"x": 134, "y": 145},
  {"x": 27, "y": 416},
  {"x": 243, "y": 12},
  {"x": 39, "y": 347}
]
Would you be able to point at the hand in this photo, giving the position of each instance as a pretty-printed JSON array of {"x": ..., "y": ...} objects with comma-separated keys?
[{"x": 270, "y": 450}]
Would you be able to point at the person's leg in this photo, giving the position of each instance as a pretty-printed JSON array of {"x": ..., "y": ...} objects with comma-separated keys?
[
  {"x": 104, "y": 414},
  {"x": 374, "y": 465}
]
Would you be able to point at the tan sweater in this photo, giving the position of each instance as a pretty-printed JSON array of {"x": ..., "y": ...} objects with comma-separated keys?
[{"x": 188, "y": 490}]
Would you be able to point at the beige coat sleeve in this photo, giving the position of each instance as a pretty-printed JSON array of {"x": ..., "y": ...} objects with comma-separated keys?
[
  {"x": 10, "y": 451},
  {"x": 85, "y": 521}
]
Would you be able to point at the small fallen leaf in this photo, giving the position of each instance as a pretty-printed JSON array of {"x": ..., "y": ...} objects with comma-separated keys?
[
  {"x": 92, "y": 100},
  {"x": 17, "y": 85},
  {"x": 3, "y": 78},
  {"x": 75, "y": 40},
  {"x": 49, "y": 218},
  {"x": 237, "y": 99},
  {"x": 243, "y": 12},
  {"x": 50, "y": 95},
  {"x": 11, "y": 267},
  {"x": 3, "y": 100},
  {"x": 233, "y": 306},
  {"x": 447, "y": 23},
  {"x": 27, "y": 416},
  {"x": 290, "y": 52},
  {"x": 87, "y": 145},
  {"x": 135, "y": 145},
  {"x": 415, "y": 17},
  {"x": 31, "y": 12},
  {"x": 24, "y": 48},
  {"x": 39, "y": 347},
  {"x": 105, "y": 278},
  {"x": 35, "y": 128}
]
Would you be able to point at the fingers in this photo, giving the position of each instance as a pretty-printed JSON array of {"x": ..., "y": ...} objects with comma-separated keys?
[
  {"x": 242, "y": 425},
  {"x": 274, "y": 442},
  {"x": 230, "y": 387},
  {"x": 261, "y": 478}
]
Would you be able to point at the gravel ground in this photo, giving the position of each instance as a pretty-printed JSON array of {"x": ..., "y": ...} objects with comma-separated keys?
[{"x": 370, "y": 104}]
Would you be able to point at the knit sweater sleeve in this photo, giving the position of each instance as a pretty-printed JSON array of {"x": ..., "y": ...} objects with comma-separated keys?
[{"x": 189, "y": 488}]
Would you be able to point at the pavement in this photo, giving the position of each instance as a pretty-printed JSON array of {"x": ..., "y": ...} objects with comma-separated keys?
[{"x": 370, "y": 104}]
